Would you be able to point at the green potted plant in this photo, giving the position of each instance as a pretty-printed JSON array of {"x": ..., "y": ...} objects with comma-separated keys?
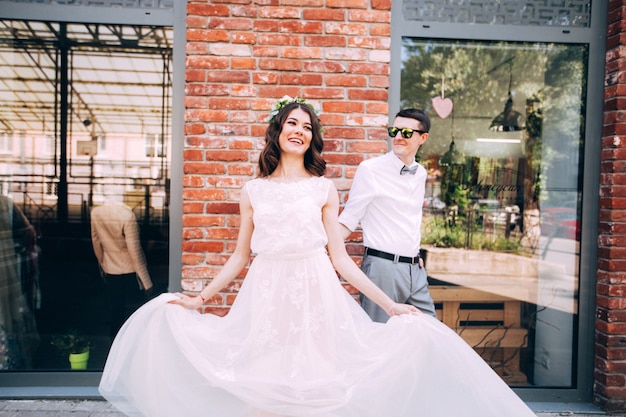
[{"x": 76, "y": 346}]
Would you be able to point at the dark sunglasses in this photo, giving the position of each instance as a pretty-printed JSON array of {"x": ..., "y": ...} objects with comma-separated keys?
[{"x": 405, "y": 132}]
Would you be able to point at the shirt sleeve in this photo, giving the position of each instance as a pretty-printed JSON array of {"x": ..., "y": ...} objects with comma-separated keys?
[
  {"x": 95, "y": 240},
  {"x": 361, "y": 194},
  {"x": 131, "y": 234}
]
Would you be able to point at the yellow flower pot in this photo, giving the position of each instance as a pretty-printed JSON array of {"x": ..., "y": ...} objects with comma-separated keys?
[{"x": 79, "y": 360}]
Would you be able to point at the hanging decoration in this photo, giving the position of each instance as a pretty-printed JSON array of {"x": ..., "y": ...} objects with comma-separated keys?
[
  {"x": 442, "y": 105},
  {"x": 509, "y": 119}
]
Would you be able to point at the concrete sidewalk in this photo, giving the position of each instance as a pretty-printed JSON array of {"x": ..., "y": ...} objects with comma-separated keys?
[{"x": 99, "y": 408}]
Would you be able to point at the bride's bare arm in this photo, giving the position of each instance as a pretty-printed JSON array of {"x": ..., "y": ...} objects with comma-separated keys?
[
  {"x": 235, "y": 264},
  {"x": 346, "y": 267}
]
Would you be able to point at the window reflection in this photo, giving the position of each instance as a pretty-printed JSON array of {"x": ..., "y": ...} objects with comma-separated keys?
[
  {"x": 19, "y": 288},
  {"x": 502, "y": 219},
  {"x": 85, "y": 123}
]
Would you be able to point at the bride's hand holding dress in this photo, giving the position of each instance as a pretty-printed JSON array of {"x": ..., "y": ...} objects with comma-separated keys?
[{"x": 233, "y": 267}]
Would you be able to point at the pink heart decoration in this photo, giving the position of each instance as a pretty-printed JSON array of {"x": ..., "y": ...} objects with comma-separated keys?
[{"x": 442, "y": 106}]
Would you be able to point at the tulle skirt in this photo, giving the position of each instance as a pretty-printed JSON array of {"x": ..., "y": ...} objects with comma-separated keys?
[{"x": 296, "y": 344}]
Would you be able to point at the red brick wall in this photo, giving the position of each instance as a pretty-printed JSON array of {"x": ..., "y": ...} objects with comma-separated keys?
[
  {"x": 241, "y": 57},
  {"x": 610, "y": 348}
]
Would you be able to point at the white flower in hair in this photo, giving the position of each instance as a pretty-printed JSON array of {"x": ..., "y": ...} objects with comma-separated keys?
[{"x": 286, "y": 99}]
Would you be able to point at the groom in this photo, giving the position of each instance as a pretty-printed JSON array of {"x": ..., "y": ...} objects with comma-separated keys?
[{"x": 386, "y": 199}]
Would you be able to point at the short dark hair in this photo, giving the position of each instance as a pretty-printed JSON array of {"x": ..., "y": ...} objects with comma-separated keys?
[{"x": 418, "y": 115}]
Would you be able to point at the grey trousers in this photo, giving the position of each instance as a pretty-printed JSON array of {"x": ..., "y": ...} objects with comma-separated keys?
[{"x": 402, "y": 282}]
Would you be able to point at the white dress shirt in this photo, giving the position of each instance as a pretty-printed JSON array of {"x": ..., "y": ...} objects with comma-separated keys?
[{"x": 387, "y": 205}]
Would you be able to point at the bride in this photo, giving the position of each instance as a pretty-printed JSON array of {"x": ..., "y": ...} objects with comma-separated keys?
[{"x": 295, "y": 343}]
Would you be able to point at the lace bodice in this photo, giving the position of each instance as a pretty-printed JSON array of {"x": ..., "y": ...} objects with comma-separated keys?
[{"x": 288, "y": 216}]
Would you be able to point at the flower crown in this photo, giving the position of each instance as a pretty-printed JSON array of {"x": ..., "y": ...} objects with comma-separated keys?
[{"x": 278, "y": 106}]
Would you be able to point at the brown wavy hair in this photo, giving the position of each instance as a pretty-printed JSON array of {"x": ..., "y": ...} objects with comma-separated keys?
[{"x": 314, "y": 163}]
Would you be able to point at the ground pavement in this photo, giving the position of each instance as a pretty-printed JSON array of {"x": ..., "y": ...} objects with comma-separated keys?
[{"x": 99, "y": 408}]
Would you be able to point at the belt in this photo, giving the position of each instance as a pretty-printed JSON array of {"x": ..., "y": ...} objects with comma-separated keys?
[{"x": 392, "y": 257}]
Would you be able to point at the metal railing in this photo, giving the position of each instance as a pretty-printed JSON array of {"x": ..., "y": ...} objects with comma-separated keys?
[{"x": 38, "y": 200}]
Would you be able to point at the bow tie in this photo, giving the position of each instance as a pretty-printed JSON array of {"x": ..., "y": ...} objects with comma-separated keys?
[{"x": 406, "y": 170}]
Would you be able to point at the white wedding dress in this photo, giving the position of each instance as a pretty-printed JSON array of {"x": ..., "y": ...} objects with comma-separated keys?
[{"x": 295, "y": 343}]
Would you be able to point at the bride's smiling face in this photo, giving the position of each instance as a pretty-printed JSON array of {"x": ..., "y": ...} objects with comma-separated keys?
[{"x": 296, "y": 133}]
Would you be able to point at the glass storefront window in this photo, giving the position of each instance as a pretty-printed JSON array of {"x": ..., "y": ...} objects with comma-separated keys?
[
  {"x": 501, "y": 228},
  {"x": 85, "y": 123}
]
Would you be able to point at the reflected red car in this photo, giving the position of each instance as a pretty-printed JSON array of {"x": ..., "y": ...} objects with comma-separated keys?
[{"x": 560, "y": 222}]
